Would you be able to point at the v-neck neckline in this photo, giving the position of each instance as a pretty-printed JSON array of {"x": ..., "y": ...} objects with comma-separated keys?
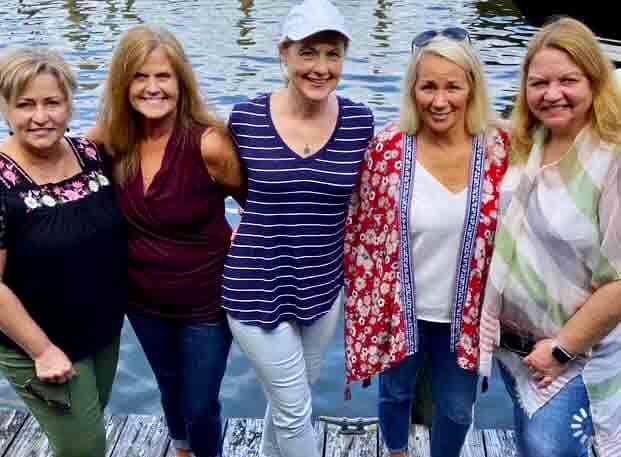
[
  {"x": 290, "y": 150},
  {"x": 165, "y": 158},
  {"x": 440, "y": 185}
]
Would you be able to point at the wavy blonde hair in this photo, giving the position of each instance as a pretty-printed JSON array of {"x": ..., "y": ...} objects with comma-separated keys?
[
  {"x": 462, "y": 54},
  {"x": 118, "y": 123},
  {"x": 579, "y": 43},
  {"x": 18, "y": 67}
]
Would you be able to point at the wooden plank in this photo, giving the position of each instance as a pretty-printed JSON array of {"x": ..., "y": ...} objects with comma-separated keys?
[
  {"x": 345, "y": 445},
  {"x": 242, "y": 437},
  {"x": 11, "y": 421},
  {"x": 114, "y": 427},
  {"x": 30, "y": 442},
  {"x": 473, "y": 446},
  {"x": 418, "y": 442},
  {"x": 499, "y": 443},
  {"x": 142, "y": 436}
]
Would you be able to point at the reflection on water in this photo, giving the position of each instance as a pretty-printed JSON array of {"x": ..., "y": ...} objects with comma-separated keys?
[{"x": 232, "y": 44}]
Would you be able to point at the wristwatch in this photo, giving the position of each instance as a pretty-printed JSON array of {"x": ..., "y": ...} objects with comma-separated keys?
[{"x": 562, "y": 355}]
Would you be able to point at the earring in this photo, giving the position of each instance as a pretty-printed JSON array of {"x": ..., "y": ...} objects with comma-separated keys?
[
  {"x": 11, "y": 133},
  {"x": 67, "y": 129}
]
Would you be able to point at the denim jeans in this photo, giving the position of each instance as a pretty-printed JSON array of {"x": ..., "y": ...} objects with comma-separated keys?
[
  {"x": 188, "y": 361},
  {"x": 453, "y": 391},
  {"x": 287, "y": 360},
  {"x": 560, "y": 428}
]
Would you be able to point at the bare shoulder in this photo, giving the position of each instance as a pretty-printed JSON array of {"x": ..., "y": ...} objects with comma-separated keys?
[
  {"x": 214, "y": 143},
  {"x": 95, "y": 134}
]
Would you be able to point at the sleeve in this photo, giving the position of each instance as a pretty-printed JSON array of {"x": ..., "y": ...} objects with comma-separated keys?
[{"x": 608, "y": 266}]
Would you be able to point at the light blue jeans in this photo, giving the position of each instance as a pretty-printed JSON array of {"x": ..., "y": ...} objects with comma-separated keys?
[
  {"x": 561, "y": 428},
  {"x": 453, "y": 391},
  {"x": 287, "y": 361}
]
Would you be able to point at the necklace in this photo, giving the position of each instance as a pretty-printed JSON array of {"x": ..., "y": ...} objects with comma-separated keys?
[{"x": 307, "y": 150}]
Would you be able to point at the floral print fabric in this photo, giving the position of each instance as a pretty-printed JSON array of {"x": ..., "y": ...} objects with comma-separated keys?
[{"x": 380, "y": 318}]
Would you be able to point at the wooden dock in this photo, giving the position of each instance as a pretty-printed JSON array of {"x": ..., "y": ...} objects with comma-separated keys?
[{"x": 147, "y": 436}]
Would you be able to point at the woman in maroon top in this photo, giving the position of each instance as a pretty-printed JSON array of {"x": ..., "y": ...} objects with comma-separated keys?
[{"x": 174, "y": 165}]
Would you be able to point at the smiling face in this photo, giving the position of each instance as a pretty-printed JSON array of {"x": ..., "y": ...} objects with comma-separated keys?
[
  {"x": 441, "y": 94},
  {"x": 39, "y": 115},
  {"x": 154, "y": 90},
  {"x": 314, "y": 65},
  {"x": 558, "y": 93}
]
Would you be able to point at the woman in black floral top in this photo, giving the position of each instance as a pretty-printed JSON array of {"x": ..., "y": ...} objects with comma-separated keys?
[{"x": 62, "y": 258}]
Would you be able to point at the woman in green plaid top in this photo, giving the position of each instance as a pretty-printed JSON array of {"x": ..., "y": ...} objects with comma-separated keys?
[{"x": 553, "y": 305}]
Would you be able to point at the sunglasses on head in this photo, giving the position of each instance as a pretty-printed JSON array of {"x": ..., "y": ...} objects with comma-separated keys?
[{"x": 453, "y": 33}]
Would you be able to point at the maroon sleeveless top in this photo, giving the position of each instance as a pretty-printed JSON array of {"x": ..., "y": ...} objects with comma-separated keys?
[{"x": 178, "y": 236}]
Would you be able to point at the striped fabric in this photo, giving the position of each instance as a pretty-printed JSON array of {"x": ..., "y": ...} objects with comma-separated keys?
[
  {"x": 286, "y": 262},
  {"x": 559, "y": 241}
]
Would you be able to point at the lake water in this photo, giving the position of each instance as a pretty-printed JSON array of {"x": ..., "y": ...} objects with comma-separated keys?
[{"x": 232, "y": 44}]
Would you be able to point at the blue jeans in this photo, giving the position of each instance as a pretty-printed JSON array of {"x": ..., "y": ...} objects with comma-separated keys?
[
  {"x": 188, "y": 362},
  {"x": 453, "y": 390},
  {"x": 560, "y": 428}
]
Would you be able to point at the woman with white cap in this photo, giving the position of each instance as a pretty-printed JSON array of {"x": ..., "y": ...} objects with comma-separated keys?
[{"x": 302, "y": 146}]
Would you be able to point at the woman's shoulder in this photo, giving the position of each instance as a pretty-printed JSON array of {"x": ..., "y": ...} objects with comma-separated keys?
[
  {"x": 251, "y": 106},
  {"x": 389, "y": 134},
  {"x": 86, "y": 148},
  {"x": 350, "y": 108}
]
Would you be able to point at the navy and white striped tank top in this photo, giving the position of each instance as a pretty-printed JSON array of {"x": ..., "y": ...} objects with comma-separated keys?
[{"x": 286, "y": 262}]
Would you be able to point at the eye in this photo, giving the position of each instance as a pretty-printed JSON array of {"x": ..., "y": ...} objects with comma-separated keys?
[
  {"x": 139, "y": 76},
  {"x": 307, "y": 53},
  {"x": 569, "y": 80}
]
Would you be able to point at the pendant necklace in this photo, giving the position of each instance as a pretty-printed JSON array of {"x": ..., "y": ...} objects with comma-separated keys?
[{"x": 307, "y": 150}]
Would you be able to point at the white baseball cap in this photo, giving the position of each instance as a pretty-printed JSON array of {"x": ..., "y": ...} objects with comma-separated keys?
[{"x": 310, "y": 17}]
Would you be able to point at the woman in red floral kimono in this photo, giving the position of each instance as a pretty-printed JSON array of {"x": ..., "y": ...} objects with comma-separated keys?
[{"x": 419, "y": 239}]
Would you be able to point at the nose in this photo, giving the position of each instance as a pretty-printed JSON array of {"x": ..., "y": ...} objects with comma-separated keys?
[
  {"x": 553, "y": 92},
  {"x": 439, "y": 100},
  {"x": 321, "y": 65},
  {"x": 40, "y": 114},
  {"x": 152, "y": 86}
]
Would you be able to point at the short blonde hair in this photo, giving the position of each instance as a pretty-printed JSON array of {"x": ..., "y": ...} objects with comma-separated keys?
[
  {"x": 118, "y": 122},
  {"x": 461, "y": 53},
  {"x": 579, "y": 43},
  {"x": 18, "y": 67}
]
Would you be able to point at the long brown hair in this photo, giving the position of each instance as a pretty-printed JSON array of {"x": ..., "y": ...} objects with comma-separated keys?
[
  {"x": 118, "y": 123},
  {"x": 578, "y": 42}
]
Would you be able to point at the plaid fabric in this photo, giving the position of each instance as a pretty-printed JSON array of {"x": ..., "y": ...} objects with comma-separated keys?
[{"x": 559, "y": 240}]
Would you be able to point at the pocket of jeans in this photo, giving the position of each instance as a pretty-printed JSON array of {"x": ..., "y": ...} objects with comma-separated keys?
[{"x": 57, "y": 396}]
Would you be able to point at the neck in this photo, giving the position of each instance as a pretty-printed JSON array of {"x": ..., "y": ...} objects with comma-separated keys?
[
  {"x": 449, "y": 141},
  {"x": 299, "y": 106},
  {"x": 158, "y": 129},
  {"x": 36, "y": 157}
]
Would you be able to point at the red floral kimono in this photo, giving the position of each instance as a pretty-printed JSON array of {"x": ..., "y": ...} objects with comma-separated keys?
[{"x": 380, "y": 311}]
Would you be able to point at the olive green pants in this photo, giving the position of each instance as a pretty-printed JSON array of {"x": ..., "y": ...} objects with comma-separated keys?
[{"x": 70, "y": 414}]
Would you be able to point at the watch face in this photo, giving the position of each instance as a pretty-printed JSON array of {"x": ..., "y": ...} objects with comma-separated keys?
[{"x": 560, "y": 355}]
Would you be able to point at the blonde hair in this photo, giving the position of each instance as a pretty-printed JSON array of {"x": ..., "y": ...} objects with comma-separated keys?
[
  {"x": 18, "y": 67},
  {"x": 578, "y": 42},
  {"x": 461, "y": 53},
  {"x": 118, "y": 122}
]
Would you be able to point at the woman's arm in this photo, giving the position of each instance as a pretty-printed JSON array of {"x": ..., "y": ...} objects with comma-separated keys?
[
  {"x": 223, "y": 163},
  {"x": 597, "y": 317},
  {"x": 51, "y": 364},
  {"x": 601, "y": 312}
]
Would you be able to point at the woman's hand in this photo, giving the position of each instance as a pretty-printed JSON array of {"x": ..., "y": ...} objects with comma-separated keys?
[
  {"x": 53, "y": 365},
  {"x": 542, "y": 366}
]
